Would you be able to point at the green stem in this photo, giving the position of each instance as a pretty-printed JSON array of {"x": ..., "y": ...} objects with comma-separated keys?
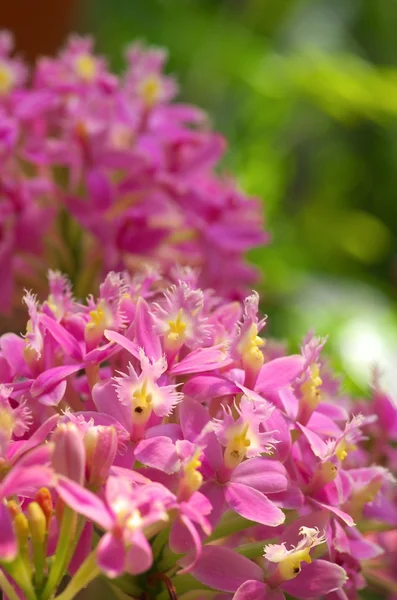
[
  {"x": 381, "y": 580},
  {"x": 7, "y": 588},
  {"x": 88, "y": 571},
  {"x": 231, "y": 523},
  {"x": 252, "y": 550},
  {"x": 18, "y": 571},
  {"x": 187, "y": 583},
  {"x": 59, "y": 566}
]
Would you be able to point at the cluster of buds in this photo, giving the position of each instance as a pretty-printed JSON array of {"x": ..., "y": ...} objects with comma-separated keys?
[
  {"x": 152, "y": 437},
  {"x": 103, "y": 173}
]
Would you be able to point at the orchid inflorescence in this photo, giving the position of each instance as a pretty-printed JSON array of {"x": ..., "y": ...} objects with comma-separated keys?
[
  {"x": 107, "y": 172},
  {"x": 150, "y": 436}
]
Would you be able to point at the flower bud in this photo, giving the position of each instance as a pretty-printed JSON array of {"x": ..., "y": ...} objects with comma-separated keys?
[
  {"x": 69, "y": 453},
  {"x": 101, "y": 445},
  {"x": 37, "y": 522},
  {"x": 44, "y": 500}
]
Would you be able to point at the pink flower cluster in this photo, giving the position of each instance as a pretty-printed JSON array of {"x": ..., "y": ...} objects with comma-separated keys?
[
  {"x": 152, "y": 436},
  {"x": 104, "y": 173}
]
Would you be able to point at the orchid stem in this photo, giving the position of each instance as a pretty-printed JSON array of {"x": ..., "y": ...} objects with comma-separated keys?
[
  {"x": 59, "y": 566},
  {"x": 86, "y": 573},
  {"x": 7, "y": 587}
]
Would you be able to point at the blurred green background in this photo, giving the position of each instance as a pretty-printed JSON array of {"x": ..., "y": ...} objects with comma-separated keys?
[{"x": 306, "y": 93}]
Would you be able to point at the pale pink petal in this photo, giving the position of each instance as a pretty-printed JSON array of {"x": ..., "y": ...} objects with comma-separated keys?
[
  {"x": 111, "y": 555},
  {"x": 203, "y": 359},
  {"x": 106, "y": 401},
  {"x": 145, "y": 332},
  {"x": 265, "y": 475},
  {"x": 253, "y": 505},
  {"x": 316, "y": 580},
  {"x": 202, "y": 387},
  {"x": 159, "y": 453},
  {"x": 26, "y": 481},
  {"x": 279, "y": 373},
  {"x": 122, "y": 341},
  {"x": 223, "y": 569},
  {"x": 139, "y": 557},
  {"x": 346, "y": 518},
  {"x": 256, "y": 590},
  {"x": 84, "y": 502}
]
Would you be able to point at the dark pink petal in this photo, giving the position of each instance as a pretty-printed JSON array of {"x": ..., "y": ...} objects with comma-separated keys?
[
  {"x": 50, "y": 378},
  {"x": 194, "y": 417},
  {"x": 67, "y": 342},
  {"x": 84, "y": 502},
  {"x": 184, "y": 538},
  {"x": 159, "y": 453},
  {"x": 265, "y": 475},
  {"x": 318, "y": 446},
  {"x": 122, "y": 341},
  {"x": 291, "y": 498},
  {"x": 139, "y": 557},
  {"x": 253, "y": 505},
  {"x": 256, "y": 590},
  {"x": 111, "y": 555},
  {"x": 98, "y": 355},
  {"x": 53, "y": 396},
  {"x": 8, "y": 541},
  {"x": 223, "y": 569},
  {"x": 316, "y": 580},
  {"x": 215, "y": 493},
  {"x": 278, "y": 422},
  {"x": 37, "y": 438},
  {"x": 279, "y": 373},
  {"x": 145, "y": 333}
]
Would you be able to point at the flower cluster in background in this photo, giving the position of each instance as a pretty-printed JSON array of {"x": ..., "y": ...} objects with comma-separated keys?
[
  {"x": 152, "y": 436},
  {"x": 100, "y": 173}
]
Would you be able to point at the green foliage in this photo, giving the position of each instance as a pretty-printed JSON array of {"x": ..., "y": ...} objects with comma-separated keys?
[{"x": 306, "y": 92}]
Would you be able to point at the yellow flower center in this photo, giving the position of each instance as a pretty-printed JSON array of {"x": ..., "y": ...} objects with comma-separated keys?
[
  {"x": 150, "y": 90},
  {"x": 141, "y": 404},
  {"x": 7, "y": 422},
  {"x": 290, "y": 566},
  {"x": 85, "y": 66},
  {"x": 6, "y": 79},
  {"x": 310, "y": 388},
  {"x": 30, "y": 354},
  {"x": 249, "y": 348},
  {"x": 236, "y": 448},
  {"x": 192, "y": 478},
  {"x": 99, "y": 320},
  {"x": 343, "y": 448},
  {"x": 177, "y": 329}
]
